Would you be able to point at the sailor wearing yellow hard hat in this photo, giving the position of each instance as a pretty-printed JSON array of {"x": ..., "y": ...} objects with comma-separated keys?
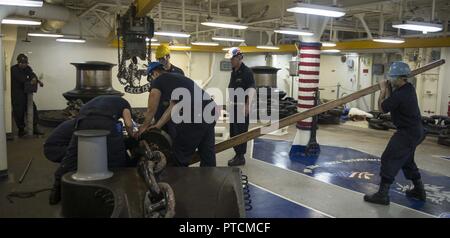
[{"x": 163, "y": 56}]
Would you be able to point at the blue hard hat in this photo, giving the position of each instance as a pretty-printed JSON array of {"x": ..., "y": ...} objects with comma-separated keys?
[
  {"x": 152, "y": 66},
  {"x": 399, "y": 68}
]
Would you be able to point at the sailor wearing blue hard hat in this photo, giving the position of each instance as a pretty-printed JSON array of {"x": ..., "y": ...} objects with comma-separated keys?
[
  {"x": 189, "y": 135},
  {"x": 399, "y": 153}
]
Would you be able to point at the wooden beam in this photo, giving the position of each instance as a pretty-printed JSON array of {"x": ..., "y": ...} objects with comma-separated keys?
[
  {"x": 145, "y": 6},
  {"x": 270, "y": 127}
]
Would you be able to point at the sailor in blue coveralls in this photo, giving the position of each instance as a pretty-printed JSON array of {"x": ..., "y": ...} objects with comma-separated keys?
[
  {"x": 101, "y": 113},
  {"x": 188, "y": 136},
  {"x": 399, "y": 153}
]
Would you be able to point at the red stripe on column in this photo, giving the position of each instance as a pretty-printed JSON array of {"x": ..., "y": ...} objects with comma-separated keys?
[
  {"x": 307, "y": 89},
  {"x": 304, "y": 124},
  {"x": 308, "y": 72},
  {"x": 309, "y": 64},
  {"x": 305, "y": 106},
  {"x": 308, "y": 80},
  {"x": 310, "y": 56},
  {"x": 306, "y": 98}
]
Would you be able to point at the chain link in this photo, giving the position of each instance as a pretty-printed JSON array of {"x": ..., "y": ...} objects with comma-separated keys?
[{"x": 159, "y": 201}]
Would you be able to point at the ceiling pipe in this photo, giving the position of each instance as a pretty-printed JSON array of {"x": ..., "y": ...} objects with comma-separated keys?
[
  {"x": 381, "y": 32},
  {"x": 210, "y": 9},
  {"x": 361, "y": 18},
  {"x": 240, "y": 9},
  {"x": 400, "y": 16},
  {"x": 197, "y": 27},
  {"x": 160, "y": 14},
  {"x": 218, "y": 8},
  {"x": 433, "y": 10},
  {"x": 47, "y": 11},
  {"x": 324, "y": 26},
  {"x": 183, "y": 7},
  {"x": 54, "y": 16},
  {"x": 256, "y": 15}
]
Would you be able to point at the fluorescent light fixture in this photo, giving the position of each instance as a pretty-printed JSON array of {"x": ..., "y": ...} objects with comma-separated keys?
[
  {"x": 205, "y": 43},
  {"x": 331, "y": 51},
  {"x": 227, "y": 38},
  {"x": 314, "y": 9},
  {"x": 418, "y": 26},
  {"x": 18, "y": 21},
  {"x": 390, "y": 40},
  {"x": 180, "y": 47},
  {"x": 71, "y": 40},
  {"x": 172, "y": 34},
  {"x": 295, "y": 32},
  {"x": 155, "y": 44},
  {"x": 45, "y": 35},
  {"x": 268, "y": 47},
  {"x": 224, "y": 25},
  {"x": 328, "y": 44},
  {"x": 22, "y": 3},
  {"x": 152, "y": 39},
  {"x": 226, "y": 49}
]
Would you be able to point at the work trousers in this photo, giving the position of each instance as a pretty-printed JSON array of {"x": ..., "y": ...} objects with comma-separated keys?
[
  {"x": 399, "y": 155},
  {"x": 19, "y": 109},
  {"x": 188, "y": 137}
]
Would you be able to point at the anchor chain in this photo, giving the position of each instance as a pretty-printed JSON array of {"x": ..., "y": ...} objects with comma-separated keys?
[{"x": 159, "y": 200}]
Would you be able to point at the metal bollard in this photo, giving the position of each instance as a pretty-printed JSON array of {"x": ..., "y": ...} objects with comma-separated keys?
[{"x": 92, "y": 156}]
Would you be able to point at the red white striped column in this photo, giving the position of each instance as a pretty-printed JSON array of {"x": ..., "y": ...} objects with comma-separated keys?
[{"x": 309, "y": 68}]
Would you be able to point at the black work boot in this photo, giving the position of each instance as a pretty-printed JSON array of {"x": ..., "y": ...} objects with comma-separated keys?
[
  {"x": 418, "y": 192},
  {"x": 22, "y": 132},
  {"x": 55, "y": 194},
  {"x": 238, "y": 160},
  {"x": 380, "y": 197}
]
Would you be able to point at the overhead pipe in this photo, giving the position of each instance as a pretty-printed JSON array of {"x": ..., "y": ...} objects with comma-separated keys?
[
  {"x": 381, "y": 32},
  {"x": 433, "y": 10},
  {"x": 210, "y": 9},
  {"x": 47, "y": 11},
  {"x": 400, "y": 16},
  {"x": 256, "y": 15},
  {"x": 218, "y": 8},
  {"x": 197, "y": 26},
  {"x": 160, "y": 14},
  {"x": 183, "y": 7},
  {"x": 240, "y": 9},
  {"x": 361, "y": 18},
  {"x": 324, "y": 26}
]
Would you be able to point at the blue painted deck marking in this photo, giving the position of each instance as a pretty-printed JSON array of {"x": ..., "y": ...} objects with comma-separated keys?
[
  {"x": 357, "y": 171},
  {"x": 268, "y": 205}
]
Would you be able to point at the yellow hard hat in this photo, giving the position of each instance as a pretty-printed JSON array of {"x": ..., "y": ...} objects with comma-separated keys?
[{"x": 162, "y": 51}]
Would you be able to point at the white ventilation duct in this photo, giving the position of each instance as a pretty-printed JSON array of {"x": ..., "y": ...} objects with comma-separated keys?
[{"x": 54, "y": 16}]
